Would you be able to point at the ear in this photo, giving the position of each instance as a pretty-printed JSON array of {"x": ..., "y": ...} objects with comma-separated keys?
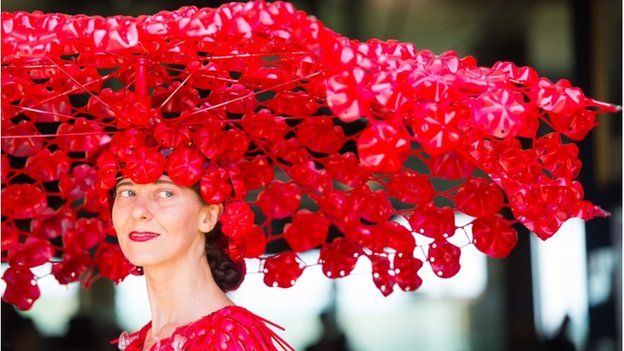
[{"x": 209, "y": 217}]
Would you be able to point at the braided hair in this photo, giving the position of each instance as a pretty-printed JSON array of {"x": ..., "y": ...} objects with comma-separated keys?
[{"x": 226, "y": 273}]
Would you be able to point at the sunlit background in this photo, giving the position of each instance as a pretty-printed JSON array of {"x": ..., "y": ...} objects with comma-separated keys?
[{"x": 551, "y": 295}]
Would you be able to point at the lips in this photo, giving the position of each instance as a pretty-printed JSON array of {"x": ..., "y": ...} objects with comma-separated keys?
[{"x": 142, "y": 236}]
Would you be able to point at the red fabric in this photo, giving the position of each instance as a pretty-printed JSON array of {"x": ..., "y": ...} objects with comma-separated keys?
[{"x": 230, "y": 328}]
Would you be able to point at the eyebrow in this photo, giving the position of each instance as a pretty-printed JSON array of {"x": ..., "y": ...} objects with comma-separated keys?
[{"x": 156, "y": 182}]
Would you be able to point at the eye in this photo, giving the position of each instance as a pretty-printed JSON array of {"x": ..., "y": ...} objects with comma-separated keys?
[
  {"x": 165, "y": 194},
  {"x": 126, "y": 193}
]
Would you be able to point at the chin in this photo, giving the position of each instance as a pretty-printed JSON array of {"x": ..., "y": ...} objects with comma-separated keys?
[{"x": 142, "y": 258}]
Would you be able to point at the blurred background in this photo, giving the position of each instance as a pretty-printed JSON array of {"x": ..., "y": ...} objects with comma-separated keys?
[{"x": 562, "y": 294}]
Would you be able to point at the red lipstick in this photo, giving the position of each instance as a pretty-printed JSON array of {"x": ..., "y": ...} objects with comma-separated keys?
[{"x": 142, "y": 236}]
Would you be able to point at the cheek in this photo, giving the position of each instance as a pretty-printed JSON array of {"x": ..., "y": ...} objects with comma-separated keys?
[{"x": 115, "y": 216}]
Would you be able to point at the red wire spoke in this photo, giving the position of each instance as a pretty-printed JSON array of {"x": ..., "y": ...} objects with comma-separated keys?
[
  {"x": 225, "y": 103},
  {"x": 79, "y": 84},
  {"x": 176, "y": 90}
]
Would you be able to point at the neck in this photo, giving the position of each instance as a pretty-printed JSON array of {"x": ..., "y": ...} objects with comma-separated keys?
[{"x": 181, "y": 292}]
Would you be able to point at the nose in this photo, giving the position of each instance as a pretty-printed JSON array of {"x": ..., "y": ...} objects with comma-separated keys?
[{"x": 140, "y": 210}]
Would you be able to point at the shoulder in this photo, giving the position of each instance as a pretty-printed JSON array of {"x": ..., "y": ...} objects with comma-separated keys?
[{"x": 234, "y": 328}]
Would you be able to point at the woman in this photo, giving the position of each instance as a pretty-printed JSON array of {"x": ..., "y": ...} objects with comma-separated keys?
[{"x": 172, "y": 234}]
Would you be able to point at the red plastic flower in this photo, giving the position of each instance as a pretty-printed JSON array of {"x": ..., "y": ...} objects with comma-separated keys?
[
  {"x": 383, "y": 147},
  {"x": 478, "y": 197},
  {"x": 145, "y": 165},
  {"x": 112, "y": 263},
  {"x": 523, "y": 75},
  {"x": 237, "y": 220},
  {"x": 309, "y": 178},
  {"x": 411, "y": 187},
  {"x": 72, "y": 267},
  {"x": 444, "y": 258},
  {"x": 339, "y": 257},
  {"x": 48, "y": 166},
  {"x": 279, "y": 200},
  {"x": 500, "y": 113},
  {"x": 184, "y": 166},
  {"x": 306, "y": 231},
  {"x": 22, "y": 146},
  {"x": 282, "y": 270},
  {"x": 439, "y": 128},
  {"x": 432, "y": 221},
  {"x": 81, "y": 185},
  {"x": 396, "y": 237},
  {"x": 406, "y": 269},
  {"x": 346, "y": 169},
  {"x": 561, "y": 160},
  {"x": 348, "y": 95},
  {"x": 107, "y": 170},
  {"x": 87, "y": 233},
  {"x": 256, "y": 173},
  {"x": 264, "y": 125},
  {"x": 10, "y": 237},
  {"x": 560, "y": 98},
  {"x": 82, "y": 135},
  {"x": 254, "y": 243},
  {"x": 451, "y": 166},
  {"x": 34, "y": 252},
  {"x": 575, "y": 125},
  {"x": 22, "y": 201},
  {"x": 494, "y": 236},
  {"x": 22, "y": 289},
  {"x": 169, "y": 135},
  {"x": 383, "y": 276},
  {"x": 321, "y": 135},
  {"x": 374, "y": 206},
  {"x": 215, "y": 185}
]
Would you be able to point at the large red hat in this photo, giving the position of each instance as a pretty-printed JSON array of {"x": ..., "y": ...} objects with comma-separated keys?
[{"x": 307, "y": 137}]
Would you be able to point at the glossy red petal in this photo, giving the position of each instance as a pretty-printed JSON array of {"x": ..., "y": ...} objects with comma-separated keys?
[
  {"x": 279, "y": 200},
  {"x": 444, "y": 258},
  {"x": 215, "y": 185},
  {"x": 339, "y": 257},
  {"x": 184, "y": 166},
  {"x": 383, "y": 147},
  {"x": 411, "y": 187},
  {"x": 406, "y": 269},
  {"x": 494, "y": 236},
  {"x": 306, "y": 231},
  {"x": 432, "y": 221},
  {"x": 32, "y": 253},
  {"x": 22, "y": 289},
  {"x": 479, "y": 197},
  {"x": 237, "y": 220},
  {"x": 145, "y": 165},
  {"x": 382, "y": 276},
  {"x": 112, "y": 263},
  {"x": 26, "y": 200},
  {"x": 282, "y": 270}
]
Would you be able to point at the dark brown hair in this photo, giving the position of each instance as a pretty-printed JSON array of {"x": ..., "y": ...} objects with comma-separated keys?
[{"x": 226, "y": 273}]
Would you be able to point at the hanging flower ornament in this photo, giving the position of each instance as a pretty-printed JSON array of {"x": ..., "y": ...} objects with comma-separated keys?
[{"x": 280, "y": 119}]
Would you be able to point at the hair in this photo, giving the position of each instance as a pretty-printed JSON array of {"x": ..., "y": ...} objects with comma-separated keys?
[{"x": 226, "y": 273}]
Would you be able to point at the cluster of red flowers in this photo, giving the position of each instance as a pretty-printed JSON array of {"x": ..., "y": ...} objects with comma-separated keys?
[{"x": 282, "y": 120}]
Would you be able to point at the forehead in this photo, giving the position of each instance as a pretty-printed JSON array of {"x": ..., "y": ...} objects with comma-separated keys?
[{"x": 162, "y": 180}]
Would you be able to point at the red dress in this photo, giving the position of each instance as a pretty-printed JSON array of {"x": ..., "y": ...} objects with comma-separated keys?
[{"x": 230, "y": 328}]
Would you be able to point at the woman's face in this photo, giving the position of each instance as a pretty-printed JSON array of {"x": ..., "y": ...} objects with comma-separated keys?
[{"x": 160, "y": 222}]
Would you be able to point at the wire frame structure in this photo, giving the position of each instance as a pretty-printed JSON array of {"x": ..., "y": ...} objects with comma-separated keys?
[{"x": 308, "y": 138}]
